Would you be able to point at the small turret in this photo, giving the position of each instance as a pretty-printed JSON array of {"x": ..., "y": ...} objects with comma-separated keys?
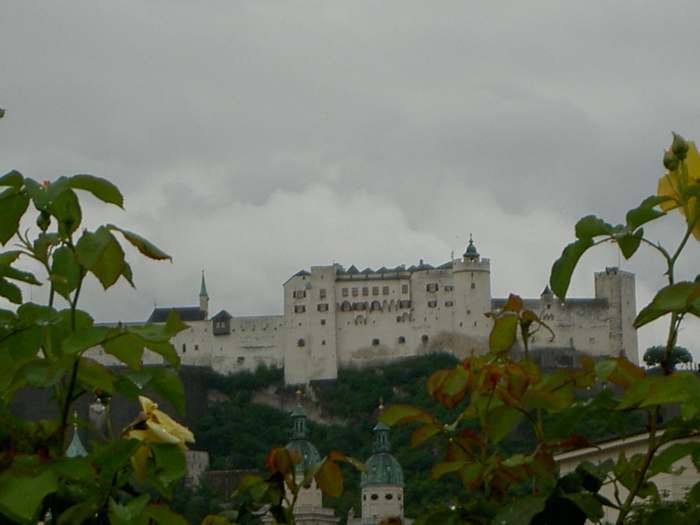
[
  {"x": 471, "y": 252},
  {"x": 204, "y": 297}
]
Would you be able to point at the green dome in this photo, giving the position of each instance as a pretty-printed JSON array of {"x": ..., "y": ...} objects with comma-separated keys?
[
  {"x": 382, "y": 467},
  {"x": 471, "y": 252},
  {"x": 300, "y": 441}
]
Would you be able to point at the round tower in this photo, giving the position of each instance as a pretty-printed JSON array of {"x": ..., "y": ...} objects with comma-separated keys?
[{"x": 382, "y": 484}]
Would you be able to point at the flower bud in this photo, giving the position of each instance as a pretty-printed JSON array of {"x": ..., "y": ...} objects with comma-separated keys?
[
  {"x": 679, "y": 146},
  {"x": 670, "y": 161}
]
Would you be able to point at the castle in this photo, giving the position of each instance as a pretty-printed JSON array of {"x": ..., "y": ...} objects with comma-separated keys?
[{"x": 335, "y": 317}]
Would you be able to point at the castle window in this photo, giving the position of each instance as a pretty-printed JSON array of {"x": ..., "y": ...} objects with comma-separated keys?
[
  {"x": 323, "y": 342},
  {"x": 323, "y": 321},
  {"x": 404, "y": 288},
  {"x": 184, "y": 348},
  {"x": 322, "y": 293},
  {"x": 404, "y": 303},
  {"x": 345, "y": 292},
  {"x": 301, "y": 342},
  {"x": 402, "y": 339},
  {"x": 449, "y": 303},
  {"x": 424, "y": 338},
  {"x": 473, "y": 285},
  {"x": 365, "y": 290},
  {"x": 299, "y": 294},
  {"x": 240, "y": 359},
  {"x": 375, "y": 342},
  {"x": 346, "y": 306},
  {"x": 374, "y": 496},
  {"x": 398, "y": 318},
  {"x": 299, "y": 308},
  {"x": 385, "y": 290},
  {"x": 432, "y": 287},
  {"x": 359, "y": 306},
  {"x": 389, "y": 496},
  {"x": 432, "y": 304},
  {"x": 375, "y": 290},
  {"x": 322, "y": 307},
  {"x": 449, "y": 288},
  {"x": 196, "y": 347},
  {"x": 355, "y": 292},
  {"x": 376, "y": 306}
]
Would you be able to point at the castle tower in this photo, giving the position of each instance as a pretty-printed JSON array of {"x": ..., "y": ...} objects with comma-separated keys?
[
  {"x": 382, "y": 485},
  {"x": 472, "y": 299},
  {"x": 617, "y": 286},
  {"x": 204, "y": 298}
]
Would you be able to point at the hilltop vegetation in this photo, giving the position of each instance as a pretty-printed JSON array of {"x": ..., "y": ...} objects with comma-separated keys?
[{"x": 238, "y": 434}]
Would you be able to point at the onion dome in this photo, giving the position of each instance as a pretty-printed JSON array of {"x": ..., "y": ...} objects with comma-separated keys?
[
  {"x": 382, "y": 467},
  {"x": 300, "y": 439},
  {"x": 471, "y": 252}
]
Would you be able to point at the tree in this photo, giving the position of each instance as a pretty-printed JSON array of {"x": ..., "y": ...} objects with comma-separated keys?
[{"x": 654, "y": 355}]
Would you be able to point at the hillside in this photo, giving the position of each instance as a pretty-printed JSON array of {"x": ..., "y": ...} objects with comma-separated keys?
[{"x": 249, "y": 414}]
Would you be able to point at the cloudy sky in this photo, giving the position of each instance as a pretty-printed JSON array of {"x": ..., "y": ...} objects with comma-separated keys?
[{"x": 253, "y": 139}]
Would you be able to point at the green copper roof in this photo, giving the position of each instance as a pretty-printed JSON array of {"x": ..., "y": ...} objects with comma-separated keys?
[
  {"x": 300, "y": 441},
  {"x": 471, "y": 252},
  {"x": 203, "y": 288},
  {"x": 76, "y": 448},
  {"x": 382, "y": 467}
]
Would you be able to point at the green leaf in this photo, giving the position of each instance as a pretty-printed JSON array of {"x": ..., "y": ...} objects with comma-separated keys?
[
  {"x": 664, "y": 460},
  {"x": 83, "y": 340},
  {"x": 66, "y": 208},
  {"x": 41, "y": 373},
  {"x": 91, "y": 246},
  {"x": 94, "y": 376},
  {"x": 127, "y": 348},
  {"x": 166, "y": 469},
  {"x": 645, "y": 212},
  {"x": 65, "y": 271},
  {"x": 131, "y": 383},
  {"x": 110, "y": 265},
  {"x": 38, "y": 193},
  {"x": 100, "y": 188},
  {"x": 166, "y": 350},
  {"x": 399, "y": 414},
  {"x": 112, "y": 457},
  {"x": 520, "y": 512},
  {"x": 13, "y": 178},
  {"x": 630, "y": 243},
  {"x": 503, "y": 333},
  {"x": 143, "y": 245},
  {"x": 563, "y": 268},
  {"x": 21, "y": 493},
  {"x": 162, "y": 514},
  {"x": 591, "y": 226},
  {"x": 588, "y": 503},
  {"x": 168, "y": 386},
  {"x": 10, "y": 291},
  {"x": 12, "y": 208},
  {"x": 500, "y": 421}
]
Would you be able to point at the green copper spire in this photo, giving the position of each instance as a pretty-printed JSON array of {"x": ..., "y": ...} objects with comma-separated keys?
[
  {"x": 76, "y": 448},
  {"x": 300, "y": 438},
  {"x": 203, "y": 288},
  {"x": 471, "y": 252}
]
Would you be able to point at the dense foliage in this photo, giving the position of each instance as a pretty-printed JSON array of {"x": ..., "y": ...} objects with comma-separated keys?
[{"x": 501, "y": 392}]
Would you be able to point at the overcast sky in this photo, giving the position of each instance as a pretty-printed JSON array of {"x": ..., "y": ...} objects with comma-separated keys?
[{"x": 254, "y": 139}]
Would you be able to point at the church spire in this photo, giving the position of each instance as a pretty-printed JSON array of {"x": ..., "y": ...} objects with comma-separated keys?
[{"x": 204, "y": 297}]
